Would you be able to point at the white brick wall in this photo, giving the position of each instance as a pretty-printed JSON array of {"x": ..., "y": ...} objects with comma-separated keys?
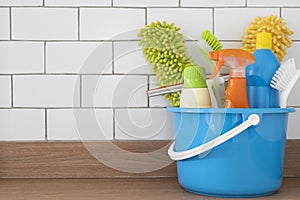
[
  {"x": 143, "y": 124},
  {"x": 22, "y": 124},
  {"x": 5, "y": 88},
  {"x": 146, "y": 3},
  {"x": 129, "y": 59},
  {"x": 80, "y": 124},
  {"x": 21, "y": 57},
  {"x": 212, "y": 3},
  {"x": 110, "y": 23},
  {"x": 79, "y": 57},
  {"x": 4, "y": 21},
  {"x": 21, "y": 2},
  {"x": 74, "y": 66},
  {"x": 274, "y": 3},
  {"x": 227, "y": 27},
  {"x": 46, "y": 91},
  {"x": 291, "y": 16},
  {"x": 78, "y": 2},
  {"x": 192, "y": 21},
  {"x": 114, "y": 91},
  {"x": 44, "y": 23}
]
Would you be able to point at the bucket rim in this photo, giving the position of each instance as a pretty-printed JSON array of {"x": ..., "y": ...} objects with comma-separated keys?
[{"x": 230, "y": 110}]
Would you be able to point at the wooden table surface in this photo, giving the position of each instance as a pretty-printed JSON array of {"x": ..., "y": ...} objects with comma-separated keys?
[{"x": 116, "y": 188}]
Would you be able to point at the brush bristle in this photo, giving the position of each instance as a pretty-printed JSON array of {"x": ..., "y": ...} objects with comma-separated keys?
[
  {"x": 283, "y": 75},
  {"x": 164, "y": 47},
  {"x": 211, "y": 40}
]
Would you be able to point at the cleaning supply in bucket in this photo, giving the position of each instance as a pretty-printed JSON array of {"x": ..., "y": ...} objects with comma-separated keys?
[
  {"x": 284, "y": 80},
  {"x": 236, "y": 60},
  {"x": 178, "y": 87},
  {"x": 164, "y": 47},
  {"x": 259, "y": 74},
  {"x": 276, "y": 26},
  {"x": 194, "y": 93},
  {"x": 209, "y": 42}
]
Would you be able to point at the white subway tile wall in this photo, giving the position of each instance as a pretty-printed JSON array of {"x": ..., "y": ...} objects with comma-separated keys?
[
  {"x": 114, "y": 91},
  {"x": 274, "y": 3},
  {"x": 145, "y": 124},
  {"x": 21, "y": 57},
  {"x": 21, "y": 2},
  {"x": 291, "y": 16},
  {"x": 46, "y": 91},
  {"x": 22, "y": 124},
  {"x": 4, "y": 21},
  {"x": 73, "y": 69},
  {"x": 44, "y": 23},
  {"x": 77, "y": 2},
  {"x": 146, "y": 3},
  {"x": 129, "y": 59},
  {"x": 228, "y": 27},
  {"x": 5, "y": 88},
  {"x": 80, "y": 124},
  {"x": 212, "y": 3},
  {"x": 192, "y": 21},
  {"x": 110, "y": 23},
  {"x": 79, "y": 57}
]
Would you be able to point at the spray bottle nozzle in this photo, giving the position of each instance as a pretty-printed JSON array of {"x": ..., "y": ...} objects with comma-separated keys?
[{"x": 236, "y": 59}]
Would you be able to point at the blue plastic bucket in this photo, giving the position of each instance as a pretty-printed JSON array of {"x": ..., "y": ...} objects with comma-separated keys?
[{"x": 241, "y": 150}]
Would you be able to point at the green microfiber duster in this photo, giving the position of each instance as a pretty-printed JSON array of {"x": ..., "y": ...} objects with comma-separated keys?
[{"x": 164, "y": 47}]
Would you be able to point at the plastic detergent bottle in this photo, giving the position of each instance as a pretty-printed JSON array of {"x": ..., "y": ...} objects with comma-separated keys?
[
  {"x": 259, "y": 74},
  {"x": 194, "y": 93},
  {"x": 236, "y": 60}
]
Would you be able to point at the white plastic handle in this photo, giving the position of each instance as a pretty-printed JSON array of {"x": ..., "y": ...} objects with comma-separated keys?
[{"x": 252, "y": 120}]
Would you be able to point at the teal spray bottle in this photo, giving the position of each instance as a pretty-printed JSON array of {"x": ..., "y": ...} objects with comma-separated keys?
[{"x": 259, "y": 74}]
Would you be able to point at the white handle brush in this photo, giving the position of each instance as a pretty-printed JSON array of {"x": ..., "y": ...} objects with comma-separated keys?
[{"x": 284, "y": 80}]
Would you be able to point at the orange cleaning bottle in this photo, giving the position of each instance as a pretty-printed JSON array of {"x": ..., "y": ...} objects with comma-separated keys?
[{"x": 236, "y": 60}]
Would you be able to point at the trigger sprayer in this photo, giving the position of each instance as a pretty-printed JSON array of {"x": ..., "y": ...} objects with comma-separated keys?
[{"x": 236, "y": 60}]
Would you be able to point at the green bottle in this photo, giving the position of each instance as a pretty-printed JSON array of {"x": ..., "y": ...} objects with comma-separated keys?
[{"x": 194, "y": 93}]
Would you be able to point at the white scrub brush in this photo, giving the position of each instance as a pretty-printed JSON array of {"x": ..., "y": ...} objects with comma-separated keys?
[{"x": 284, "y": 79}]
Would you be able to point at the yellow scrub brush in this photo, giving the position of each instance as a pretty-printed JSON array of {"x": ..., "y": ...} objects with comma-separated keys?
[
  {"x": 164, "y": 47},
  {"x": 273, "y": 25}
]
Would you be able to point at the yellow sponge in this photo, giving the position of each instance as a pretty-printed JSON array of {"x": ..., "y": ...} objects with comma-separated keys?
[{"x": 273, "y": 25}]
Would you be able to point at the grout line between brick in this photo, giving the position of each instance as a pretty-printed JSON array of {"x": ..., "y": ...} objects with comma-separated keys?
[
  {"x": 246, "y": 3},
  {"x": 80, "y": 91},
  {"x": 10, "y": 23},
  {"x": 148, "y": 88},
  {"x": 179, "y": 3},
  {"x": 12, "y": 90},
  {"x": 78, "y": 24},
  {"x": 46, "y": 124},
  {"x": 112, "y": 3},
  {"x": 163, "y": 7},
  {"x": 146, "y": 16},
  {"x": 113, "y": 57},
  {"x": 76, "y": 74},
  {"x": 45, "y": 57},
  {"x": 213, "y": 21},
  {"x": 114, "y": 123},
  {"x": 280, "y": 12}
]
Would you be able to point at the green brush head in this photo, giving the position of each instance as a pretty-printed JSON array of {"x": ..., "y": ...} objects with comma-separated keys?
[
  {"x": 211, "y": 40},
  {"x": 194, "y": 77},
  {"x": 164, "y": 47}
]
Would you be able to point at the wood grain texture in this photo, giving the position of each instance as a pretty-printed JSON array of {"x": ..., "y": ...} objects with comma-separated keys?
[
  {"x": 118, "y": 189},
  {"x": 73, "y": 160}
]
